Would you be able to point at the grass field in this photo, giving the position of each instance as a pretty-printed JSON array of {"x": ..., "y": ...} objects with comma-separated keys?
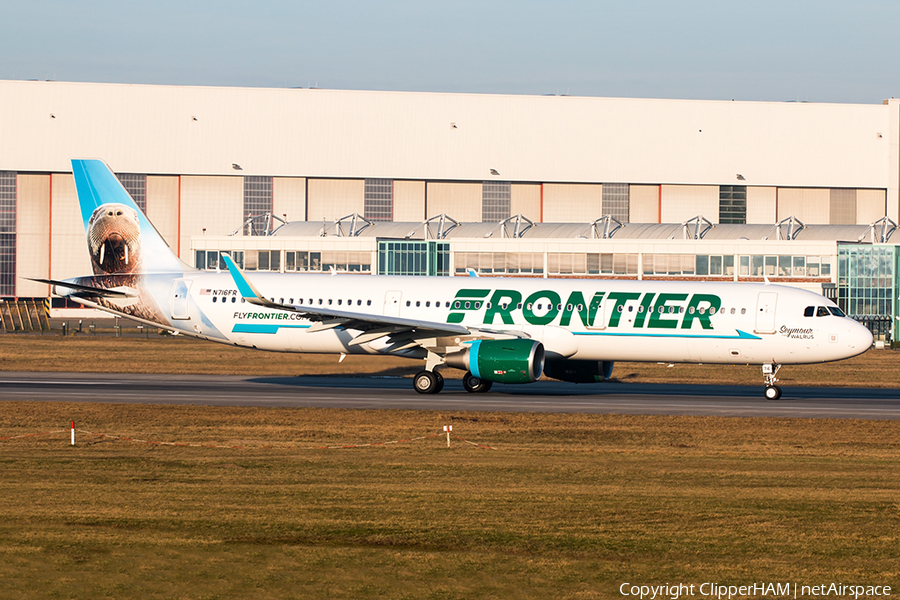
[
  {"x": 562, "y": 506},
  {"x": 165, "y": 354}
]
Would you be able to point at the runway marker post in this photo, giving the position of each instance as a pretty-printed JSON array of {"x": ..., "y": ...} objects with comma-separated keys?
[
  {"x": 448, "y": 429},
  {"x": 73, "y": 433}
]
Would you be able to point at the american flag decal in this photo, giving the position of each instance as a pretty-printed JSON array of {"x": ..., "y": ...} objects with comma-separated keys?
[{"x": 204, "y": 292}]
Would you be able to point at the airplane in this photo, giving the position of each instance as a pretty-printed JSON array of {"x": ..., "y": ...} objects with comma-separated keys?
[{"x": 497, "y": 330}]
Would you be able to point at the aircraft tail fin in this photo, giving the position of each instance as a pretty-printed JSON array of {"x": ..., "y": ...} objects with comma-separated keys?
[{"x": 120, "y": 238}]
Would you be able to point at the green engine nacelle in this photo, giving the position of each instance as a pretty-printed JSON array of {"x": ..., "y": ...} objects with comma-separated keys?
[
  {"x": 579, "y": 371},
  {"x": 506, "y": 361}
]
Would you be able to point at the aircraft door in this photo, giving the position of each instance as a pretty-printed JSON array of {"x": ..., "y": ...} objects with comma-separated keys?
[
  {"x": 765, "y": 312},
  {"x": 180, "y": 298},
  {"x": 392, "y": 303}
]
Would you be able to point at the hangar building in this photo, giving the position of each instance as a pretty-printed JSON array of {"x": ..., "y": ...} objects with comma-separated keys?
[{"x": 396, "y": 182}]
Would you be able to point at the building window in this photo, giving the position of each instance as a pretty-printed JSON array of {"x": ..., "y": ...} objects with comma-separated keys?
[
  {"x": 490, "y": 263},
  {"x": 867, "y": 286},
  {"x": 616, "y": 201},
  {"x": 732, "y": 204},
  {"x": 136, "y": 186},
  {"x": 495, "y": 197},
  {"x": 758, "y": 265},
  {"x": 209, "y": 259},
  {"x": 257, "y": 202},
  {"x": 7, "y": 233},
  {"x": 413, "y": 258},
  {"x": 379, "y": 201}
]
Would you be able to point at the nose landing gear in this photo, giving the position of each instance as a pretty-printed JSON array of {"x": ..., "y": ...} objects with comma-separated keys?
[{"x": 772, "y": 392}]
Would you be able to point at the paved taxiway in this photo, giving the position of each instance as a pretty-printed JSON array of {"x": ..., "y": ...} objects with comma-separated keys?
[{"x": 382, "y": 393}]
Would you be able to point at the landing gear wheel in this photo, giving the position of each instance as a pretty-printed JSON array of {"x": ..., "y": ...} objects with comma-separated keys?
[
  {"x": 773, "y": 392},
  {"x": 475, "y": 385},
  {"x": 425, "y": 382},
  {"x": 440, "y": 382}
]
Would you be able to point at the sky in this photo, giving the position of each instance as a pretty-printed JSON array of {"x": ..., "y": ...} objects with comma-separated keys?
[{"x": 783, "y": 50}]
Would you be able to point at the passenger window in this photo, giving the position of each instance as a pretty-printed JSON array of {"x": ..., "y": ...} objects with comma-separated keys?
[
  {"x": 732, "y": 311},
  {"x": 822, "y": 312},
  {"x": 743, "y": 311},
  {"x": 408, "y": 303},
  {"x": 368, "y": 303},
  {"x": 233, "y": 299},
  {"x": 809, "y": 311},
  {"x": 418, "y": 304}
]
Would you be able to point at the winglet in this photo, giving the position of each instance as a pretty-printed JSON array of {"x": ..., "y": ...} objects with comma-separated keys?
[
  {"x": 472, "y": 272},
  {"x": 247, "y": 290}
]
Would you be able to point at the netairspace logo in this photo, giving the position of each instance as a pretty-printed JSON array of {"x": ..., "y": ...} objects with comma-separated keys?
[{"x": 771, "y": 590}]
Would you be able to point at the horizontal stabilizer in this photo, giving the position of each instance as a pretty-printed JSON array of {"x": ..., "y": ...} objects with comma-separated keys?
[{"x": 87, "y": 290}]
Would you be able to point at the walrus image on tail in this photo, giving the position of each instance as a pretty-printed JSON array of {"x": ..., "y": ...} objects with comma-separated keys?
[{"x": 114, "y": 240}]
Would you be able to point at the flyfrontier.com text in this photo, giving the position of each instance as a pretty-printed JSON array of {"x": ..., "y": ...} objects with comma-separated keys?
[{"x": 771, "y": 590}]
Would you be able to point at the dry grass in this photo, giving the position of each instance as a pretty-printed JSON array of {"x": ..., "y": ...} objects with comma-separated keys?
[
  {"x": 568, "y": 506},
  {"x": 158, "y": 354}
]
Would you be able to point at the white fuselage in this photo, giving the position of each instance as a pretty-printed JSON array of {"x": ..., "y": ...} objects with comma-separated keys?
[{"x": 581, "y": 319}]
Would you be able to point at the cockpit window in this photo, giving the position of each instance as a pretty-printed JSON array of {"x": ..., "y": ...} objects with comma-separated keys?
[
  {"x": 821, "y": 311},
  {"x": 836, "y": 311},
  {"x": 809, "y": 311}
]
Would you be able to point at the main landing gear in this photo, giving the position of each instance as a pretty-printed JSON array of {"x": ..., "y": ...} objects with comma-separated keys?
[
  {"x": 432, "y": 382},
  {"x": 428, "y": 382},
  {"x": 474, "y": 385},
  {"x": 773, "y": 392}
]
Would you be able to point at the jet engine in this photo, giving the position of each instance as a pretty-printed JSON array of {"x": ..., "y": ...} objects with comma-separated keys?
[
  {"x": 501, "y": 361},
  {"x": 579, "y": 371}
]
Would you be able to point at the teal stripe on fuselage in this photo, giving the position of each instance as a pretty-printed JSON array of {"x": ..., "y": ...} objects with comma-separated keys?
[{"x": 263, "y": 327}]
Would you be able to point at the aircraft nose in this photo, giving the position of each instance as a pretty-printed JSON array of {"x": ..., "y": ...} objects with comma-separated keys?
[{"x": 860, "y": 337}]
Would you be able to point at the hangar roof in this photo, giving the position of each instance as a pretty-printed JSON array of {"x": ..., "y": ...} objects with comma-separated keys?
[{"x": 635, "y": 231}]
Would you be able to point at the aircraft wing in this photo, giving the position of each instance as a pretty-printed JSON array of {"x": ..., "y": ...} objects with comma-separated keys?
[{"x": 374, "y": 326}]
